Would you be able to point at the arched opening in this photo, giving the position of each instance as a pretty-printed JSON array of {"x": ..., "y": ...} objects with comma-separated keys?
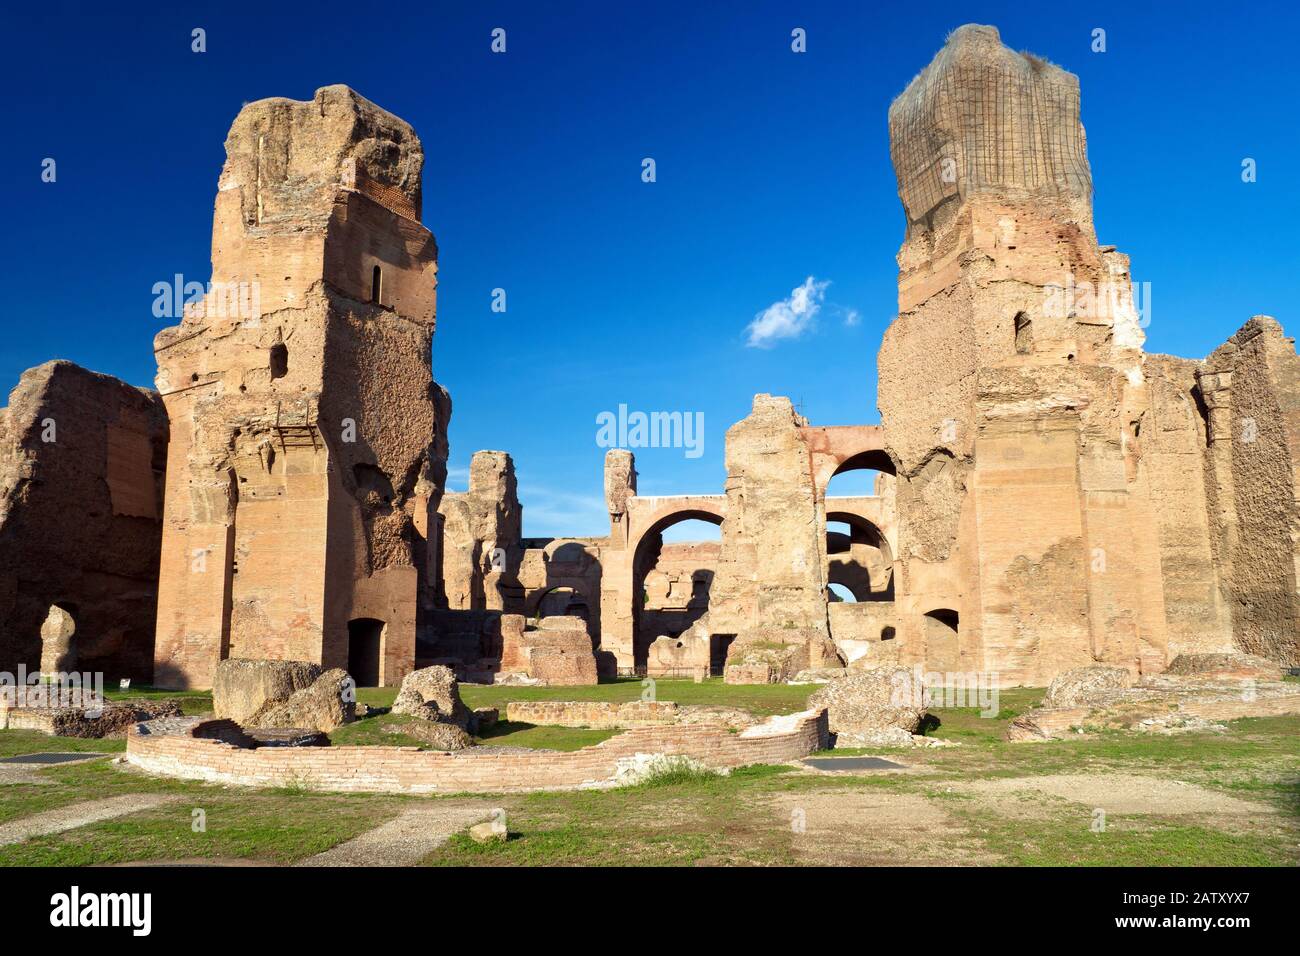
[
  {"x": 376, "y": 282},
  {"x": 942, "y": 650},
  {"x": 839, "y": 594},
  {"x": 1024, "y": 334},
  {"x": 562, "y": 601},
  {"x": 365, "y": 648},
  {"x": 672, "y": 574},
  {"x": 886, "y": 633},
  {"x": 279, "y": 360},
  {"x": 858, "y": 556}
]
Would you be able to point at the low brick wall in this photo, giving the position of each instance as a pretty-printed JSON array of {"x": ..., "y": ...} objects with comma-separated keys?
[
  {"x": 193, "y": 756},
  {"x": 602, "y": 715}
]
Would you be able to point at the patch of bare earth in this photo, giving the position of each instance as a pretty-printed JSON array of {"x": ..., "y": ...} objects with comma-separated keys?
[
  {"x": 1120, "y": 794},
  {"x": 875, "y": 828}
]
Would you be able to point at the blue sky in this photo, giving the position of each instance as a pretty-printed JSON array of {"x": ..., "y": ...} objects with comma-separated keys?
[{"x": 772, "y": 167}]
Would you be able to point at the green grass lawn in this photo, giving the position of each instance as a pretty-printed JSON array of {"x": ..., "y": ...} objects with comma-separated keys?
[
  {"x": 370, "y": 731},
  {"x": 761, "y": 699},
  {"x": 933, "y": 812}
]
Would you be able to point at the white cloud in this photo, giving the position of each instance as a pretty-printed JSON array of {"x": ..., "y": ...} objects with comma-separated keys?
[
  {"x": 852, "y": 317},
  {"x": 789, "y": 318}
]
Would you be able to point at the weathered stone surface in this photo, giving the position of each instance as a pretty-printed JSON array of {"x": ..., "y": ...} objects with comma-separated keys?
[
  {"x": 434, "y": 733},
  {"x": 1081, "y": 685},
  {"x": 482, "y": 551},
  {"x": 489, "y": 831},
  {"x": 241, "y": 687},
  {"x": 1163, "y": 703},
  {"x": 80, "y": 507},
  {"x": 324, "y": 705},
  {"x": 1250, "y": 387},
  {"x": 1221, "y": 667},
  {"x": 864, "y": 702},
  {"x": 770, "y": 584},
  {"x": 432, "y": 693},
  {"x": 57, "y": 652}
]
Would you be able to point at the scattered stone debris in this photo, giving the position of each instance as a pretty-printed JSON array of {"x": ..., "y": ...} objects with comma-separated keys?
[
  {"x": 33, "y": 708},
  {"x": 241, "y": 687},
  {"x": 1165, "y": 703},
  {"x": 433, "y": 694},
  {"x": 868, "y": 708},
  {"x": 280, "y": 694},
  {"x": 489, "y": 831},
  {"x": 1078, "y": 686},
  {"x": 439, "y": 736}
]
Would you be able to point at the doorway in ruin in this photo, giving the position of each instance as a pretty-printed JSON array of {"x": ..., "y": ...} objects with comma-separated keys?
[
  {"x": 365, "y": 647},
  {"x": 942, "y": 650},
  {"x": 718, "y": 644},
  {"x": 672, "y": 575}
]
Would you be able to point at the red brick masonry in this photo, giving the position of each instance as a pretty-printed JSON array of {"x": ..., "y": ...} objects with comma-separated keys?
[{"x": 195, "y": 754}]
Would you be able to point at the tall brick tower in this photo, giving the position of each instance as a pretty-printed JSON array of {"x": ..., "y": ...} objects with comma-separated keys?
[
  {"x": 308, "y": 437},
  {"x": 1046, "y": 464}
]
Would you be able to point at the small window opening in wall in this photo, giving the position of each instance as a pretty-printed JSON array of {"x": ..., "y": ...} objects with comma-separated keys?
[
  {"x": 375, "y": 279},
  {"x": 1024, "y": 334},
  {"x": 279, "y": 360},
  {"x": 886, "y": 633}
]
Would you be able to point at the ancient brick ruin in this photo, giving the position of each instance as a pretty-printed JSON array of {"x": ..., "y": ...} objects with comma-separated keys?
[
  {"x": 308, "y": 442},
  {"x": 1048, "y": 495},
  {"x": 81, "y": 462}
]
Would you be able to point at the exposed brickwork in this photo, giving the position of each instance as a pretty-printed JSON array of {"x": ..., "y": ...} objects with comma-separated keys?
[
  {"x": 409, "y": 770},
  {"x": 589, "y": 713}
]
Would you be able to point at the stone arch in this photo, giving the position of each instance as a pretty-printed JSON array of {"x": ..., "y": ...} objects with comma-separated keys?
[
  {"x": 645, "y": 551},
  {"x": 863, "y": 580},
  {"x": 578, "y": 604}
]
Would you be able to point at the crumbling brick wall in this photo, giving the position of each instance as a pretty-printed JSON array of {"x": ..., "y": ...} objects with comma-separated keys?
[
  {"x": 81, "y": 463},
  {"x": 308, "y": 435}
]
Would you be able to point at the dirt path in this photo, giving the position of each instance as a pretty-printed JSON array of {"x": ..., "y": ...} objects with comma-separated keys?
[
  {"x": 1124, "y": 794},
  {"x": 875, "y": 828},
  {"x": 406, "y": 839},
  {"x": 79, "y": 815}
]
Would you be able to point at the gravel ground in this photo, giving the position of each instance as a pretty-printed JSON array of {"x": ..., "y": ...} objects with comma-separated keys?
[
  {"x": 79, "y": 815},
  {"x": 406, "y": 839}
]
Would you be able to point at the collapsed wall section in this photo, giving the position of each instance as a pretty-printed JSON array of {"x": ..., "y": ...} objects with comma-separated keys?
[{"x": 81, "y": 463}]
